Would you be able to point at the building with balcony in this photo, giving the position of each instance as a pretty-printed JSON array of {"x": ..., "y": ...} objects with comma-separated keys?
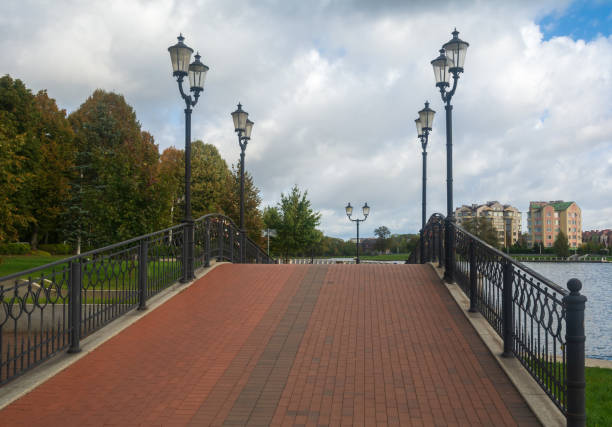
[
  {"x": 505, "y": 219},
  {"x": 546, "y": 219}
]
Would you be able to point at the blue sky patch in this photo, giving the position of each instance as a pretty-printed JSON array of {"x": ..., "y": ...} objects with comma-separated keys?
[{"x": 582, "y": 19}]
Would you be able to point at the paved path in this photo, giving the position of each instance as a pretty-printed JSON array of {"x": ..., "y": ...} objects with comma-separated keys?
[{"x": 288, "y": 345}]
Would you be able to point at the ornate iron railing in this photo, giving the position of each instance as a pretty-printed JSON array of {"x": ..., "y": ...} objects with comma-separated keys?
[
  {"x": 49, "y": 309},
  {"x": 541, "y": 324}
]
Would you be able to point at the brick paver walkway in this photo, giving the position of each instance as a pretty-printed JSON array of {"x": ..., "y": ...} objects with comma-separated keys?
[{"x": 288, "y": 345}]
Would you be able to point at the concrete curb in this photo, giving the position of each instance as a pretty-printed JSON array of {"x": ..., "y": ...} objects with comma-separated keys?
[
  {"x": 48, "y": 369},
  {"x": 539, "y": 402}
]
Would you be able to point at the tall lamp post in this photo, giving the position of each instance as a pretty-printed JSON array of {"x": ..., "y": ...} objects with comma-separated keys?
[
  {"x": 180, "y": 55},
  {"x": 450, "y": 61},
  {"x": 349, "y": 212},
  {"x": 423, "y": 125},
  {"x": 243, "y": 127}
]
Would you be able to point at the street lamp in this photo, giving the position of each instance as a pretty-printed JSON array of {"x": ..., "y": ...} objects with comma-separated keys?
[
  {"x": 423, "y": 125},
  {"x": 243, "y": 127},
  {"x": 450, "y": 61},
  {"x": 349, "y": 212},
  {"x": 180, "y": 55}
]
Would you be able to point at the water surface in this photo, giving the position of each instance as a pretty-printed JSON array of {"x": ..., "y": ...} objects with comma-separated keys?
[{"x": 597, "y": 286}]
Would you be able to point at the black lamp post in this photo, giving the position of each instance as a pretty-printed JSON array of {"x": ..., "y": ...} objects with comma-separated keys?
[
  {"x": 450, "y": 61},
  {"x": 423, "y": 125},
  {"x": 243, "y": 127},
  {"x": 349, "y": 212},
  {"x": 180, "y": 55}
]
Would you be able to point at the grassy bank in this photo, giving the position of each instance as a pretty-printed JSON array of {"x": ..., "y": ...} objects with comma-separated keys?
[
  {"x": 598, "y": 396},
  {"x": 385, "y": 257}
]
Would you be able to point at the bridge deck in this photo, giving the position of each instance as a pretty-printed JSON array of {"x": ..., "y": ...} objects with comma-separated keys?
[{"x": 286, "y": 345}]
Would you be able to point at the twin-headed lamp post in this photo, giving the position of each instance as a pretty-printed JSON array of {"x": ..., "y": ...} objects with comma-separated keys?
[
  {"x": 450, "y": 62},
  {"x": 243, "y": 127},
  {"x": 349, "y": 212},
  {"x": 180, "y": 55},
  {"x": 423, "y": 125}
]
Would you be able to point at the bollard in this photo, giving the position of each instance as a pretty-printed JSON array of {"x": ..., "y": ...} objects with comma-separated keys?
[
  {"x": 473, "y": 278},
  {"x": 143, "y": 262},
  {"x": 75, "y": 306},
  {"x": 507, "y": 312},
  {"x": 574, "y": 339}
]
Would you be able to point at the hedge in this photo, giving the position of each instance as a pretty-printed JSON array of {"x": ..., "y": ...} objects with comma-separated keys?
[
  {"x": 56, "y": 248},
  {"x": 14, "y": 248}
]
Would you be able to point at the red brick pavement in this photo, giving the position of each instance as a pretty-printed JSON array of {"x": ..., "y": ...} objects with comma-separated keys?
[{"x": 288, "y": 345}]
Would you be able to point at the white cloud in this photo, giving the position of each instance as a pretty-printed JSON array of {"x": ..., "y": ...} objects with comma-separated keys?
[{"x": 333, "y": 89}]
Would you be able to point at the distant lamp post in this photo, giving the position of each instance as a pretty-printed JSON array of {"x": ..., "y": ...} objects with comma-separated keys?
[
  {"x": 450, "y": 62},
  {"x": 243, "y": 127},
  {"x": 423, "y": 125},
  {"x": 349, "y": 212},
  {"x": 180, "y": 55}
]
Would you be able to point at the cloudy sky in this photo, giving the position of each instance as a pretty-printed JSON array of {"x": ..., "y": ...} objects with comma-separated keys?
[{"x": 334, "y": 87}]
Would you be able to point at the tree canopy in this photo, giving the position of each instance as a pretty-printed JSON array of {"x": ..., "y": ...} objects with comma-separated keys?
[
  {"x": 295, "y": 223},
  {"x": 482, "y": 228},
  {"x": 561, "y": 245},
  {"x": 96, "y": 177}
]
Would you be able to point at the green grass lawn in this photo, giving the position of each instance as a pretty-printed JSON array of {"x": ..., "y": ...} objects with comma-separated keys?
[
  {"x": 386, "y": 257},
  {"x": 598, "y": 396},
  {"x": 16, "y": 263}
]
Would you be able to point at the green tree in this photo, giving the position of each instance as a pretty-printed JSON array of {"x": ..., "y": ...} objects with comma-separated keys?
[
  {"x": 295, "y": 223},
  {"x": 117, "y": 165},
  {"x": 171, "y": 185},
  {"x": 382, "y": 233},
  {"x": 50, "y": 186},
  {"x": 561, "y": 245},
  {"x": 482, "y": 228},
  {"x": 18, "y": 156},
  {"x": 210, "y": 179},
  {"x": 253, "y": 218}
]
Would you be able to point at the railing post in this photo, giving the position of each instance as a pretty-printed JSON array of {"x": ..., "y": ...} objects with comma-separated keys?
[
  {"x": 440, "y": 246},
  {"x": 220, "y": 239},
  {"x": 231, "y": 244},
  {"x": 473, "y": 278},
  {"x": 143, "y": 262},
  {"x": 574, "y": 339},
  {"x": 188, "y": 251},
  {"x": 75, "y": 306},
  {"x": 507, "y": 312},
  {"x": 422, "y": 246},
  {"x": 449, "y": 244},
  {"x": 207, "y": 244},
  {"x": 243, "y": 249}
]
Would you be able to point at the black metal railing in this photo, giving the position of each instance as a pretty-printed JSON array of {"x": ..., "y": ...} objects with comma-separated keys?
[
  {"x": 49, "y": 309},
  {"x": 540, "y": 323}
]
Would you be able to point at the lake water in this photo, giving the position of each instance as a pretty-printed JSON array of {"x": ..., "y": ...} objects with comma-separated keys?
[{"x": 597, "y": 287}]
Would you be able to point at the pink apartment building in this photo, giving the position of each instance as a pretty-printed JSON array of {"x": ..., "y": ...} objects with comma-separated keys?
[{"x": 546, "y": 219}]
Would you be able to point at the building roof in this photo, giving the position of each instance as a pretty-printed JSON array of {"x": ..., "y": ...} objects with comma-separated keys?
[{"x": 557, "y": 205}]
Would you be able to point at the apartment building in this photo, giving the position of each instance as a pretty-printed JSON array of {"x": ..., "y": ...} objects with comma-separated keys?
[
  {"x": 505, "y": 219},
  {"x": 546, "y": 219}
]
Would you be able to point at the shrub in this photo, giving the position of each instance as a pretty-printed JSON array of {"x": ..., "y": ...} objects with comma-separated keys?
[
  {"x": 14, "y": 248},
  {"x": 57, "y": 248}
]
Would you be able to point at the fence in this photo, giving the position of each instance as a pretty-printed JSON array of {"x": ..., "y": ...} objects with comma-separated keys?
[
  {"x": 49, "y": 309},
  {"x": 541, "y": 324}
]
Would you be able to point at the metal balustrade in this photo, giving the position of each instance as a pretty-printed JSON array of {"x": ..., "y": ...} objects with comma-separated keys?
[
  {"x": 50, "y": 308},
  {"x": 541, "y": 324}
]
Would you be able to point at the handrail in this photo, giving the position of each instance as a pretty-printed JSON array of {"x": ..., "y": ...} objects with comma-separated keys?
[
  {"x": 541, "y": 323},
  {"x": 49, "y": 308}
]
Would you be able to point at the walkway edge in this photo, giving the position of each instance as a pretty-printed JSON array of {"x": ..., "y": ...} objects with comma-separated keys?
[
  {"x": 537, "y": 400},
  {"x": 30, "y": 380}
]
